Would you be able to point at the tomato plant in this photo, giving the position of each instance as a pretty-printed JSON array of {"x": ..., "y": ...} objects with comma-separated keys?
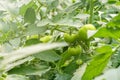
[{"x": 59, "y": 39}]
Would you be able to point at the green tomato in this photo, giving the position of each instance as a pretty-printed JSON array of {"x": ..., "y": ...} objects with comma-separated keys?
[
  {"x": 45, "y": 38},
  {"x": 82, "y": 33},
  {"x": 89, "y": 27},
  {"x": 75, "y": 50},
  {"x": 79, "y": 61},
  {"x": 70, "y": 38}
]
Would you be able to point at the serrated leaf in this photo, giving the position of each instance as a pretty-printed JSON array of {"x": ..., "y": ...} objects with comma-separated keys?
[
  {"x": 30, "y": 15},
  {"x": 49, "y": 56},
  {"x": 97, "y": 65}
]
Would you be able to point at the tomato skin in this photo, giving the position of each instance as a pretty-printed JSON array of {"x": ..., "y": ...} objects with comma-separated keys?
[
  {"x": 79, "y": 61},
  {"x": 75, "y": 50},
  {"x": 45, "y": 38},
  {"x": 69, "y": 38},
  {"x": 82, "y": 33},
  {"x": 89, "y": 27}
]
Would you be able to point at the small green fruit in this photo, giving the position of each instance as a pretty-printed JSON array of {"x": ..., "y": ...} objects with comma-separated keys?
[
  {"x": 75, "y": 50},
  {"x": 45, "y": 38},
  {"x": 89, "y": 27},
  {"x": 82, "y": 33},
  {"x": 79, "y": 61},
  {"x": 70, "y": 38}
]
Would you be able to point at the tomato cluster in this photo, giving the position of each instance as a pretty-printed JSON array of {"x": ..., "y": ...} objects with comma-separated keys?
[{"x": 80, "y": 36}]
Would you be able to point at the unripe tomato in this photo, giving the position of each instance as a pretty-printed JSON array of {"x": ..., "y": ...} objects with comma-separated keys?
[
  {"x": 69, "y": 38},
  {"x": 82, "y": 34},
  {"x": 45, "y": 38},
  {"x": 75, "y": 50},
  {"x": 79, "y": 61},
  {"x": 89, "y": 27}
]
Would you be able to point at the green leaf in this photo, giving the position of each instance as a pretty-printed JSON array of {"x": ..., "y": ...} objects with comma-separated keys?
[
  {"x": 52, "y": 4},
  {"x": 97, "y": 64},
  {"x": 43, "y": 22},
  {"x": 31, "y": 69},
  {"x": 72, "y": 7},
  {"x": 15, "y": 42},
  {"x": 65, "y": 56},
  {"x": 67, "y": 22},
  {"x": 63, "y": 76},
  {"x": 103, "y": 49},
  {"x": 30, "y": 15},
  {"x": 108, "y": 32},
  {"x": 49, "y": 56},
  {"x": 112, "y": 1},
  {"x": 4, "y": 27},
  {"x": 32, "y": 41},
  {"x": 115, "y": 22},
  {"x": 24, "y": 7},
  {"x": 71, "y": 68},
  {"x": 33, "y": 30},
  {"x": 16, "y": 77},
  {"x": 82, "y": 16},
  {"x": 7, "y": 47}
]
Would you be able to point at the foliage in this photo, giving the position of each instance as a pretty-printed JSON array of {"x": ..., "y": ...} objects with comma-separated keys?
[{"x": 59, "y": 39}]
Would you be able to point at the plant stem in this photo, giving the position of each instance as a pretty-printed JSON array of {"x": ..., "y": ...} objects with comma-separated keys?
[{"x": 91, "y": 11}]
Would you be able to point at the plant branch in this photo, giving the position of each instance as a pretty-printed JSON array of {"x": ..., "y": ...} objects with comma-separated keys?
[{"x": 91, "y": 11}]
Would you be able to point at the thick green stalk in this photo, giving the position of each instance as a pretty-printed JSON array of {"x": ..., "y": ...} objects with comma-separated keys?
[{"x": 91, "y": 11}]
